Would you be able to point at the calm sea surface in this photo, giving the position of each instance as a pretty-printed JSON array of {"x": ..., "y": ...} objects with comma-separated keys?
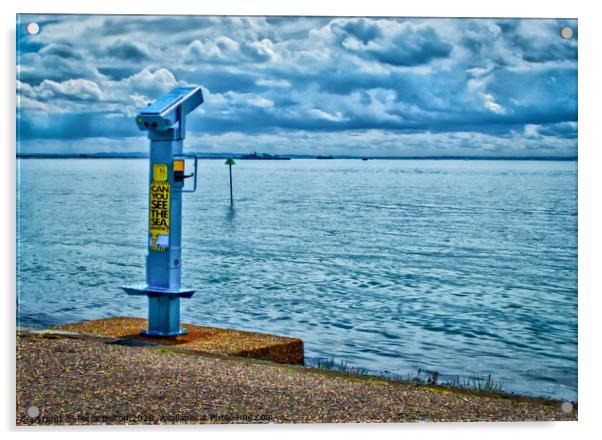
[{"x": 463, "y": 267}]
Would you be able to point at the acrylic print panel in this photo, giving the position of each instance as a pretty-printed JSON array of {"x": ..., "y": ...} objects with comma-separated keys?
[{"x": 387, "y": 204}]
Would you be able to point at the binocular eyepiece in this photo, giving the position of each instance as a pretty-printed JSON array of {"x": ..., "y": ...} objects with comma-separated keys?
[{"x": 170, "y": 109}]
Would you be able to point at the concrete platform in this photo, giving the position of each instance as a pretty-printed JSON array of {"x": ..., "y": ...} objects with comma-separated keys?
[{"x": 280, "y": 349}]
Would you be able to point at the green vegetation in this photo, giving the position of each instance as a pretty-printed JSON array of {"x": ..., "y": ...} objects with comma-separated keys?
[
  {"x": 332, "y": 365},
  {"x": 476, "y": 383},
  {"x": 472, "y": 382},
  {"x": 430, "y": 378}
]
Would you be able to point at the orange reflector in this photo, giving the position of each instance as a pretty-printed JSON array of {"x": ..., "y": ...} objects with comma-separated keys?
[{"x": 178, "y": 165}]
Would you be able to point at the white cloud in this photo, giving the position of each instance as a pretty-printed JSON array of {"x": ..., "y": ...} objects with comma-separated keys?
[
  {"x": 226, "y": 50},
  {"x": 490, "y": 104},
  {"x": 149, "y": 82},
  {"x": 348, "y": 74},
  {"x": 532, "y": 131},
  {"x": 260, "y": 101},
  {"x": 77, "y": 89},
  {"x": 273, "y": 83},
  {"x": 321, "y": 114}
]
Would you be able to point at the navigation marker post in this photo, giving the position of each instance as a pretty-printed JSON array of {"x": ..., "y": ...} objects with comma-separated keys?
[
  {"x": 230, "y": 161},
  {"x": 165, "y": 121}
]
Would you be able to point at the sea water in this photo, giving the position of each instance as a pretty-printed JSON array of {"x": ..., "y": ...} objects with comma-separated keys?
[{"x": 460, "y": 267}]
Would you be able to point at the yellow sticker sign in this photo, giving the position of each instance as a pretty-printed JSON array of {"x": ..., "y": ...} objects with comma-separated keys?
[
  {"x": 160, "y": 171},
  {"x": 159, "y": 209}
]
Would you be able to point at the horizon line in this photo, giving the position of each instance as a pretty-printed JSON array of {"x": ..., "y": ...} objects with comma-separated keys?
[{"x": 141, "y": 155}]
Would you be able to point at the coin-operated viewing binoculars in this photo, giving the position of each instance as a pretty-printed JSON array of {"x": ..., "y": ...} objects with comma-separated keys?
[{"x": 165, "y": 121}]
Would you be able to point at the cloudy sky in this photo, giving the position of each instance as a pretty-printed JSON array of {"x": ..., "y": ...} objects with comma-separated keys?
[{"x": 360, "y": 86}]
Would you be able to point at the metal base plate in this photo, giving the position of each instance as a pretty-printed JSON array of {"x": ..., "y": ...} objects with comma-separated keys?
[
  {"x": 146, "y": 290},
  {"x": 182, "y": 331}
]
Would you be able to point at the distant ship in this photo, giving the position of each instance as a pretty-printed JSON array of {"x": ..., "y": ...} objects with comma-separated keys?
[
  {"x": 263, "y": 156},
  {"x": 364, "y": 158},
  {"x": 324, "y": 157}
]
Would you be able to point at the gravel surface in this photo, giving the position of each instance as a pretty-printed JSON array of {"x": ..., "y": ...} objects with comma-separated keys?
[{"x": 95, "y": 381}]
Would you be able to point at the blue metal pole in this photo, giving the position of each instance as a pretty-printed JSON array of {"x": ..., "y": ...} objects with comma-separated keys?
[
  {"x": 164, "y": 264},
  {"x": 165, "y": 122}
]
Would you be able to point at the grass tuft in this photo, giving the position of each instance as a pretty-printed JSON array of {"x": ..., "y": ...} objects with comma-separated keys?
[
  {"x": 332, "y": 365},
  {"x": 472, "y": 382},
  {"x": 476, "y": 383}
]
